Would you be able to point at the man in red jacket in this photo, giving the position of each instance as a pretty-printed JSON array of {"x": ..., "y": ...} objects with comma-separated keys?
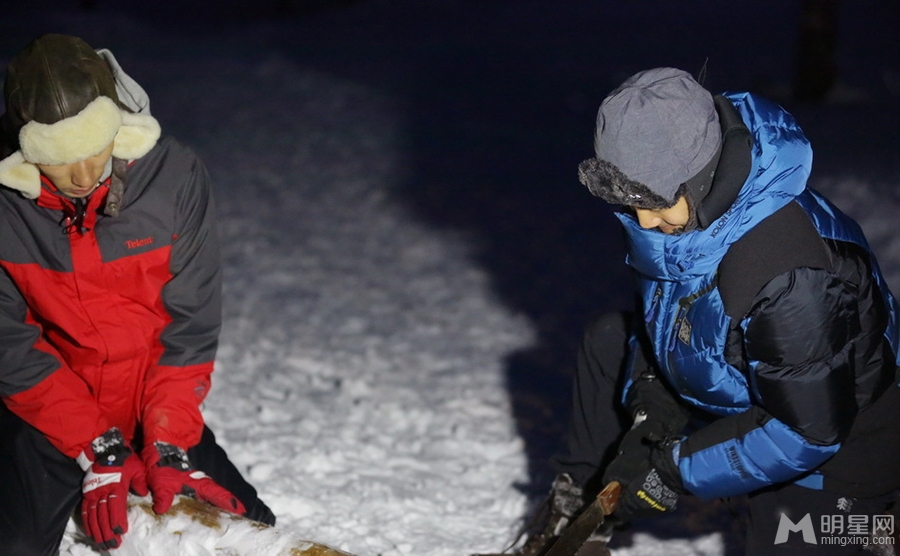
[{"x": 109, "y": 306}]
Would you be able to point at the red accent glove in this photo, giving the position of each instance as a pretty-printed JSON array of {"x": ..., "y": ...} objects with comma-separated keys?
[
  {"x": 104, "y": 506},
  {"x": 169, "y": 472}
]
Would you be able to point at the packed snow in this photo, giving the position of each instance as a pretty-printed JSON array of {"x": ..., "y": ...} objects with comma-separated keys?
[{"x": 409, "y": 259}]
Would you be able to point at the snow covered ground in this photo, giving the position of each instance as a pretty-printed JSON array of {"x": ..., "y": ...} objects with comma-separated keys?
[{"x": 409, "y": 259}]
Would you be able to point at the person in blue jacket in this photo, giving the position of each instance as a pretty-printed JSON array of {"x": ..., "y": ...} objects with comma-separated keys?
[{"x": 762, "y": 357}]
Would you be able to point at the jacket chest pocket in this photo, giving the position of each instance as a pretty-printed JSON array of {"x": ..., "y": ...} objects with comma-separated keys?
[
  {"x": 698, "y": 366},
  {"x": 696, "y": 307}
]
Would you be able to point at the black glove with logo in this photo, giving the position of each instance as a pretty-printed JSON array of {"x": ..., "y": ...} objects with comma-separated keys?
[
  {"x": 646, "y": 469},
  {"x": 644, "y": 464}
]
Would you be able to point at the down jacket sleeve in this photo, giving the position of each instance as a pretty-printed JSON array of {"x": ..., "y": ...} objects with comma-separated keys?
[
  {"x": 26, "y": 358},
  {"x": 799, "y": 340},
  {"x": 175, "y": 387}
]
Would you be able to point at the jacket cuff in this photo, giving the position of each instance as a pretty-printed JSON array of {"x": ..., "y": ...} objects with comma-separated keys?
[{"x": 665, "y": 459}]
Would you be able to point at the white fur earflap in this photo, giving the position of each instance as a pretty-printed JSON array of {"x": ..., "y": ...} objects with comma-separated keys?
[
  {"x": 73, "y": 139},
  {"x": 89, "y": 132},
  {"x": 137, "y": 135},
  {"x": 77, "y": 138},
  {"x": 20, "y": 175}
]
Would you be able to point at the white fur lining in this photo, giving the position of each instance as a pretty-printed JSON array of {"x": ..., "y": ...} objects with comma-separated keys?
[
  {"x": 74, "y": 139},
  {"x": 137, "y": 135}
]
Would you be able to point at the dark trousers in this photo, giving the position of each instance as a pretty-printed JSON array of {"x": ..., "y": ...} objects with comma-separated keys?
[
  {"x": 40, "y": 488},
  {"x": 598, "y": 421}
]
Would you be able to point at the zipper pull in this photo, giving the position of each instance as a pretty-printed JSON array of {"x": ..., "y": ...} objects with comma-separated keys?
[
  {"x": 654, "y": 305},
  {"x": 72, "y": 223},
  {"x": 680, "y": 315}
]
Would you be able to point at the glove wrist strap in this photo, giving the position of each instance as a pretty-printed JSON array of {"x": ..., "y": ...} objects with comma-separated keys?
[
  {"x": 172, "y": 456},
  {"x": 108, "y": 449}
]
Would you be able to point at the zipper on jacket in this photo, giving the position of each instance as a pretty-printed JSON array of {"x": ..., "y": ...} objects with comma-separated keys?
[
  {"x": 681, "y": 330},
  {"x": 680, "y": 321},
  {"x": 73, "y": 219},
  {"x": 678, "y": 379},
  {"x": 654, "y": 305}
]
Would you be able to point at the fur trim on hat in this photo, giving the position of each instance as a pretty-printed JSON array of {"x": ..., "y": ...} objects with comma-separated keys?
[
  {"x": 77, "y": 138},
  {"x": 609, "y": 183},
  {"x": 72, "y": 139},
  {"x": 138, "y": 134}
]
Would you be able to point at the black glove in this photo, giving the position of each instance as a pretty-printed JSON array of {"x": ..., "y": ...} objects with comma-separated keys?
[
  {"x": 649, "y": 398},
  {"x": 644, "y": 465},
  {"x": 646, "y": 469}
]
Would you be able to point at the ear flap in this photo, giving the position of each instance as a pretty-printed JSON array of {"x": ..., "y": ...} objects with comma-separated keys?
[
  {"x": 20, "y": 175},
  {"x": 137, "y": 135}
]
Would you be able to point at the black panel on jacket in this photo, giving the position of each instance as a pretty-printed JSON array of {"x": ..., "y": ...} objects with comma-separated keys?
[
  {"x": 723, "y": 430},
  {"x": 802, "y": 335},
  {"x": 867, "y": 419},
  {"x": 783, "y": 241}
]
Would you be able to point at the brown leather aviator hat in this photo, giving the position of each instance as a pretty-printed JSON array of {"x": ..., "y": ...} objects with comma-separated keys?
[
  {"x": 54, "y": 78},
  {"x": 62, "y": 107}
]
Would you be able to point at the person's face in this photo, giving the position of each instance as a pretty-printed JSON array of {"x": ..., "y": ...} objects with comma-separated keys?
[
  {"x": 668, "y": 220},
  {"x": 80, "y": 178}
]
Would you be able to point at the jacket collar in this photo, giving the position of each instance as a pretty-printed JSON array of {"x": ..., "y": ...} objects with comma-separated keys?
[
  {"x": 78, "y": 215},
  {"x": 779, "y": 166}
]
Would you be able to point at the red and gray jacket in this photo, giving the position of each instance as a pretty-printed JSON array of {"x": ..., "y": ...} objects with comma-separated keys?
[{"x": 112, "y": 320}]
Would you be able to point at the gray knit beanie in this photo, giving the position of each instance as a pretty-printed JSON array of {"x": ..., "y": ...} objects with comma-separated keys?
[{"x": 657, "y": 138}]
